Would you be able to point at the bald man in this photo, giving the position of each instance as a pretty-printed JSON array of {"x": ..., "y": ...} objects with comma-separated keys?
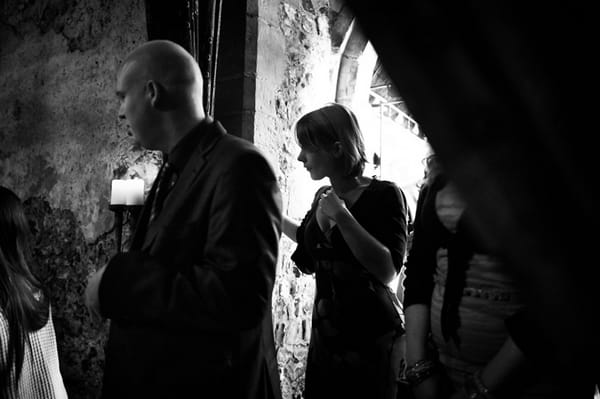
[{"x": 190, "y": 302}]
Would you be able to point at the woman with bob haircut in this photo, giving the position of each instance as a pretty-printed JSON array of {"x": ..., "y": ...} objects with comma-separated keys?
[
  {"x": 28, "y": 354},
  {"x": 353, "y": 240}
]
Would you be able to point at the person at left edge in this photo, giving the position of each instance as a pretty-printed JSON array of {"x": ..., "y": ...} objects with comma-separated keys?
[{"x": 190, "y": 302}]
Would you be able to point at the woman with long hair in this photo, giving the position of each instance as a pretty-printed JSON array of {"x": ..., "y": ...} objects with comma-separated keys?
[
  {"x": 28, "y": 354},
  {"x": 469, "y": 333}
]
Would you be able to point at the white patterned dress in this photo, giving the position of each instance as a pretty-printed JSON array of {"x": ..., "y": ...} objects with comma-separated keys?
[{"x": 40, "y": 376}]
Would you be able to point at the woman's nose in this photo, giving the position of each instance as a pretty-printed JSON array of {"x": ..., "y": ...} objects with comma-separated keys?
[{"x": 301, "y": 157}]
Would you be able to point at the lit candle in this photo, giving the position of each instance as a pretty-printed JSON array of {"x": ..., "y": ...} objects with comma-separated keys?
[
  {"x": 127, "y": 192},
  {"x": 118, "y": 192},
  {"x": 135, "y": 192}
]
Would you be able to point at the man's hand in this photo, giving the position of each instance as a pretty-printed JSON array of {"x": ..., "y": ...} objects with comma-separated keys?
[{"x": 92, "y": 298}]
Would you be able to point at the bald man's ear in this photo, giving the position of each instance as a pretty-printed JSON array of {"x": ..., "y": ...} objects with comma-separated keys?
[{"x": 156, "y": 94}]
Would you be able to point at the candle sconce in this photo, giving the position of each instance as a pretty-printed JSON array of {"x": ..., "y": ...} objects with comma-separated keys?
[
  {"x": 126, "y": 198},
  {"x": 132, "y": 211}
]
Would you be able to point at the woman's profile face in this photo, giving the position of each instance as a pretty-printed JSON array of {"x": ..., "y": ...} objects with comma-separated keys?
[{"x": 318, "y": 162}]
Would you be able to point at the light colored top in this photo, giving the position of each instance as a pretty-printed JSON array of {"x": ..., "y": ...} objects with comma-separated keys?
[{"x": 40, "y": 376}]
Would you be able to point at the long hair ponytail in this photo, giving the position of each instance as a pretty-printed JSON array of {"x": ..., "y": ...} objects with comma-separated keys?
[{"x": 22, "y": 301}]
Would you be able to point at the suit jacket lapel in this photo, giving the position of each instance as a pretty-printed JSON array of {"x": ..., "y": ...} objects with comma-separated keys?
[{"x": 211, "y": 135}]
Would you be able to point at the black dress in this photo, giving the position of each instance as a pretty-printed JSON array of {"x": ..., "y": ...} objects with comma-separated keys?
[{"x": 354, "y": 351}]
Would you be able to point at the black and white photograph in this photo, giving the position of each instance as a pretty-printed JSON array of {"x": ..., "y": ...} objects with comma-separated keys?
[{"x": 298, "y": 199}]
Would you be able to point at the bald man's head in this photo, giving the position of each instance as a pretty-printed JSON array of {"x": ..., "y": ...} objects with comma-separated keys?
[
  {"x": 165, "y": 62},
  {"x": 160, "y": 86}
]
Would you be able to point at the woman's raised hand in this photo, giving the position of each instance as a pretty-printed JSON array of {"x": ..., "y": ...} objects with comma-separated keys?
[{"x": 331, "y": 204}]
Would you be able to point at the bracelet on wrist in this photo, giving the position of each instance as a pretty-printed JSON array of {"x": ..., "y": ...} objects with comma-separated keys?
[{"x": 418, "y": 372}]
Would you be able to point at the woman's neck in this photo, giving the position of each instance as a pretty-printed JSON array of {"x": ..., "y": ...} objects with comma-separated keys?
[{"x": 345, "y": 184}]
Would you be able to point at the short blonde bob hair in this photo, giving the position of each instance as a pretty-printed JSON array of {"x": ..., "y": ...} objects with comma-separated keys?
[{"x": 334, "y": 123}]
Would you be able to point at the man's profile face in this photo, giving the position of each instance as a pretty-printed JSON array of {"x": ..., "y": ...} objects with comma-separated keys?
[{"x": 134, "y": 104}]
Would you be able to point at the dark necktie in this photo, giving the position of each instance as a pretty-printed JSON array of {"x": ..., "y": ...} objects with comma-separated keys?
[{"x": 164, "y": 184}]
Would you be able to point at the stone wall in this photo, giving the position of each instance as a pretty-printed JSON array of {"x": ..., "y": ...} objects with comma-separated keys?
[
  {"x": 61, "y": 144},
  {"x": 295, "y": 71}
]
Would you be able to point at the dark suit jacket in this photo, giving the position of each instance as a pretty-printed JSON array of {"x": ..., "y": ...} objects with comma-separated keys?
[{"x": 190, "y": 303}]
